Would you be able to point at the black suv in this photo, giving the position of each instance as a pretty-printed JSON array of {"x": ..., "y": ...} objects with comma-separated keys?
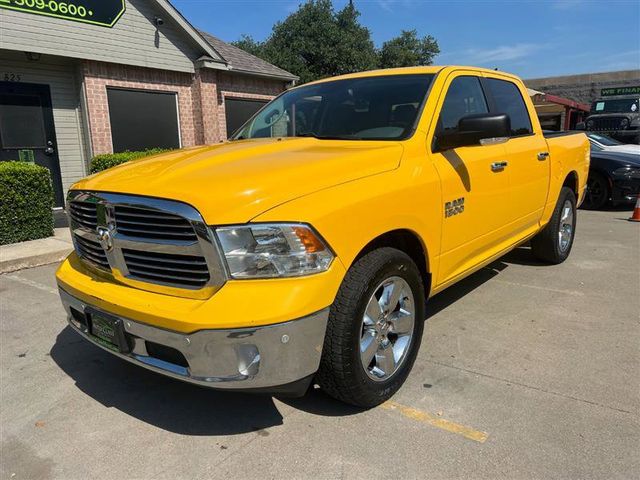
[{"x": 618, "y": 117}]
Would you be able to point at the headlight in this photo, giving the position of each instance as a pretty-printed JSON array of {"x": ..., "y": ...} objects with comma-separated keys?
[
  {"x": 590, "y": 124},
  {"x": 273, "y": 250},
  {"x": 624, "y": 123}
]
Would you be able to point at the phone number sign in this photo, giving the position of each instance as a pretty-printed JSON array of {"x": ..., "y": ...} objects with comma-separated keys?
[{"x": 96, "y": 12}]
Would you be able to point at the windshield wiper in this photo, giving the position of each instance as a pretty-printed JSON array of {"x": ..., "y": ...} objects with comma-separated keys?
[{"x": 326, "y": 137}]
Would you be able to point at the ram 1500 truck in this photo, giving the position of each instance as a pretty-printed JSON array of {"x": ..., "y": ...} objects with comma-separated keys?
[{"x": 305, "y": 247}]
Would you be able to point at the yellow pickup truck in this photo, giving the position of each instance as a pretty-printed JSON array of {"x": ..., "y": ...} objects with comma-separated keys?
[{"x": 304, "y": 249}]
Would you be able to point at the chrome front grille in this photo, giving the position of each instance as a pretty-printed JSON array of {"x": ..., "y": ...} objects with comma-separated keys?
[
  {"x": 91, "y": 251},
  {"x": 146, "y": 223},
  {"x": 152, "y": 244},
  {"x": 85, "y": 214},
  {"x": 184, "y": 269}
]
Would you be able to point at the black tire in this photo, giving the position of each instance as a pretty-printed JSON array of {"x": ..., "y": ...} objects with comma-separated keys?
[
  {"x": 547, "y": 245},
  {"x": 341, "y": 373},
  {"x": 597, "y": 193}
]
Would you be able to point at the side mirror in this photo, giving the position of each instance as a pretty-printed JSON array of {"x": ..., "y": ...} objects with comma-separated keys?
[
  {"x": 580, "y": 126},
  {"x": 474, "y": 129}
]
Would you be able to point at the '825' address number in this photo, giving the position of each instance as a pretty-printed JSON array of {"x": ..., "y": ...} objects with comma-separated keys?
[{"x": 53, "y": 6}]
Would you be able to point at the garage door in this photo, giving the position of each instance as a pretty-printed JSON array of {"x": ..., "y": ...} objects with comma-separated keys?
[
  {"x": 141, "y": 120},
  {"x": 239, "y": 111}
]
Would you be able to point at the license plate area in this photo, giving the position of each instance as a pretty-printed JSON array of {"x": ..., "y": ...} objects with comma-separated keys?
[{"x": 108, "y": 331}]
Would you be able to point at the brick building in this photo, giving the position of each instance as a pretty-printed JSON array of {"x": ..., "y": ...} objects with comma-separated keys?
[
  {"x": 562, "y": 102},
  {"x": 584, "y": 88},
  {"x": 96, "y": 76}
]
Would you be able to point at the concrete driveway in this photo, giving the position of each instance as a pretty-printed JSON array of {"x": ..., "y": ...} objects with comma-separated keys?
[{"x": 525, "y": 371}]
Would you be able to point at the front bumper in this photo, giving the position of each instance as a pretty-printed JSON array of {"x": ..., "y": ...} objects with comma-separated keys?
[
  {"x": 241, "y": 358},
  {"x": 625, "y": 189}
]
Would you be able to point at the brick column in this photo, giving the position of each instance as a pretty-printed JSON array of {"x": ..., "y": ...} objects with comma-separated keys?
[{"x": 209, "y": 105}]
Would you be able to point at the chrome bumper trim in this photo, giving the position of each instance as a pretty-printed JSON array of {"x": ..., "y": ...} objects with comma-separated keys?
[{"x": 242, "y": 358}]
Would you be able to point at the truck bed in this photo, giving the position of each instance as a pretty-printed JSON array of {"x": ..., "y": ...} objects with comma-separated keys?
[
  {"x": 553, "y": 134},
  {"x": 569, "y": 152}
]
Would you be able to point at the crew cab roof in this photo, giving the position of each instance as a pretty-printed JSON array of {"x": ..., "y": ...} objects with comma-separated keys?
[{"x": 431, "y": 69}]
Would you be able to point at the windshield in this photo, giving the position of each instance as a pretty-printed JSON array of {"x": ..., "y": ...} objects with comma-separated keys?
[
  {"x": 604, "y": 140},
  {"x": 595, "y": 147},
  {"x": 618, "y": 105},
  {"x": 371, "y": 108}
]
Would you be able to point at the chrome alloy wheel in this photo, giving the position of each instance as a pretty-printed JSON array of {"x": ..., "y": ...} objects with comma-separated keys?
[
  {"x": 565, "y": 230},
  {"x": 387, "y": 328}
]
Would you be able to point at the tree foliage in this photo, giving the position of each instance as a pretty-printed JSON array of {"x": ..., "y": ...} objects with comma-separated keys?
[
  {"x": 248, "y": 44},
  {"x": 408, "y": 49},
  {"x": 316, "y": 42}
]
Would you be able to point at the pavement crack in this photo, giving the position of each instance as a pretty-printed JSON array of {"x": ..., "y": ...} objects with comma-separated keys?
[{"x": 524, "y": 385}]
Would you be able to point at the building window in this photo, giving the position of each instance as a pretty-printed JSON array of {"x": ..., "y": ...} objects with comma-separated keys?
[
  {"x": 238, "y": 111},
  {"x": 141, "y": 120}
]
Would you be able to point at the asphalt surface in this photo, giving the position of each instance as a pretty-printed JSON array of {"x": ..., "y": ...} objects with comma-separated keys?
[{"x": 525, "y": 371}]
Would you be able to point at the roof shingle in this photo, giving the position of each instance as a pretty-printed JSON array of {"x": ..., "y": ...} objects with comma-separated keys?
[{"x": 241, "y": 61}]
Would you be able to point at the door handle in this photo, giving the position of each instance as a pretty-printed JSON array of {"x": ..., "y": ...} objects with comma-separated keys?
[
  {"x": 543, "y": 156},
  {"x": 498, "y": 166}
]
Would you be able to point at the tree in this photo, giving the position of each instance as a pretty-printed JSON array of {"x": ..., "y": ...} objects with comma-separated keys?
[
  {"x": 408, "y": 50},
  {"x": 248, "y": 44},
  {"x": 316, "y": 42},
  {"x": 355, "y": 50}
]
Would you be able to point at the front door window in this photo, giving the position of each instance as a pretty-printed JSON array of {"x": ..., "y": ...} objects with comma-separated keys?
[{"x": 21, "y": 122}]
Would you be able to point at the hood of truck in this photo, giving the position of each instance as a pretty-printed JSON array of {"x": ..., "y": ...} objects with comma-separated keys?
[{"x": 235, "y": 181}]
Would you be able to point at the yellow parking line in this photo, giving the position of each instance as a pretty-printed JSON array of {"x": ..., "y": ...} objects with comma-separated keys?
[{"x": 434, "y": 421}]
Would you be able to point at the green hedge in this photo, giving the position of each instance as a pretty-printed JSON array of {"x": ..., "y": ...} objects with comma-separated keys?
[
  {"x": 26, "y": 202},
  {"x": 108, "y": 160}
]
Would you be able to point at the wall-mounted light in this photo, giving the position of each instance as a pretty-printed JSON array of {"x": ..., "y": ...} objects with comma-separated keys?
[
  {"x": 33, "y": 56},
  {"x": 158, "y": 22}
]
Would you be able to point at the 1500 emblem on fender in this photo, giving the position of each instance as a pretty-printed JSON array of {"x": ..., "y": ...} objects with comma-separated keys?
[{"x": 454, "y": 207}]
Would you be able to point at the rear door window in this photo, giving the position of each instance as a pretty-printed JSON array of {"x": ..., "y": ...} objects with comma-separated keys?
[{"x": 508, "y": 99}]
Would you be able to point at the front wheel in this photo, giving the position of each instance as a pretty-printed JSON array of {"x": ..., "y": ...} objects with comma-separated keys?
[
  {"x": 597, "y": 194},
  {"x": 553, "y": 244},
  {"x": 374, "y": 330}
]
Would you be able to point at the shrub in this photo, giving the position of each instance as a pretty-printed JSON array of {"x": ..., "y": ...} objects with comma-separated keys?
[
  {"x": 108, "y": 160},
  {"x": 26, "y": 202}
]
